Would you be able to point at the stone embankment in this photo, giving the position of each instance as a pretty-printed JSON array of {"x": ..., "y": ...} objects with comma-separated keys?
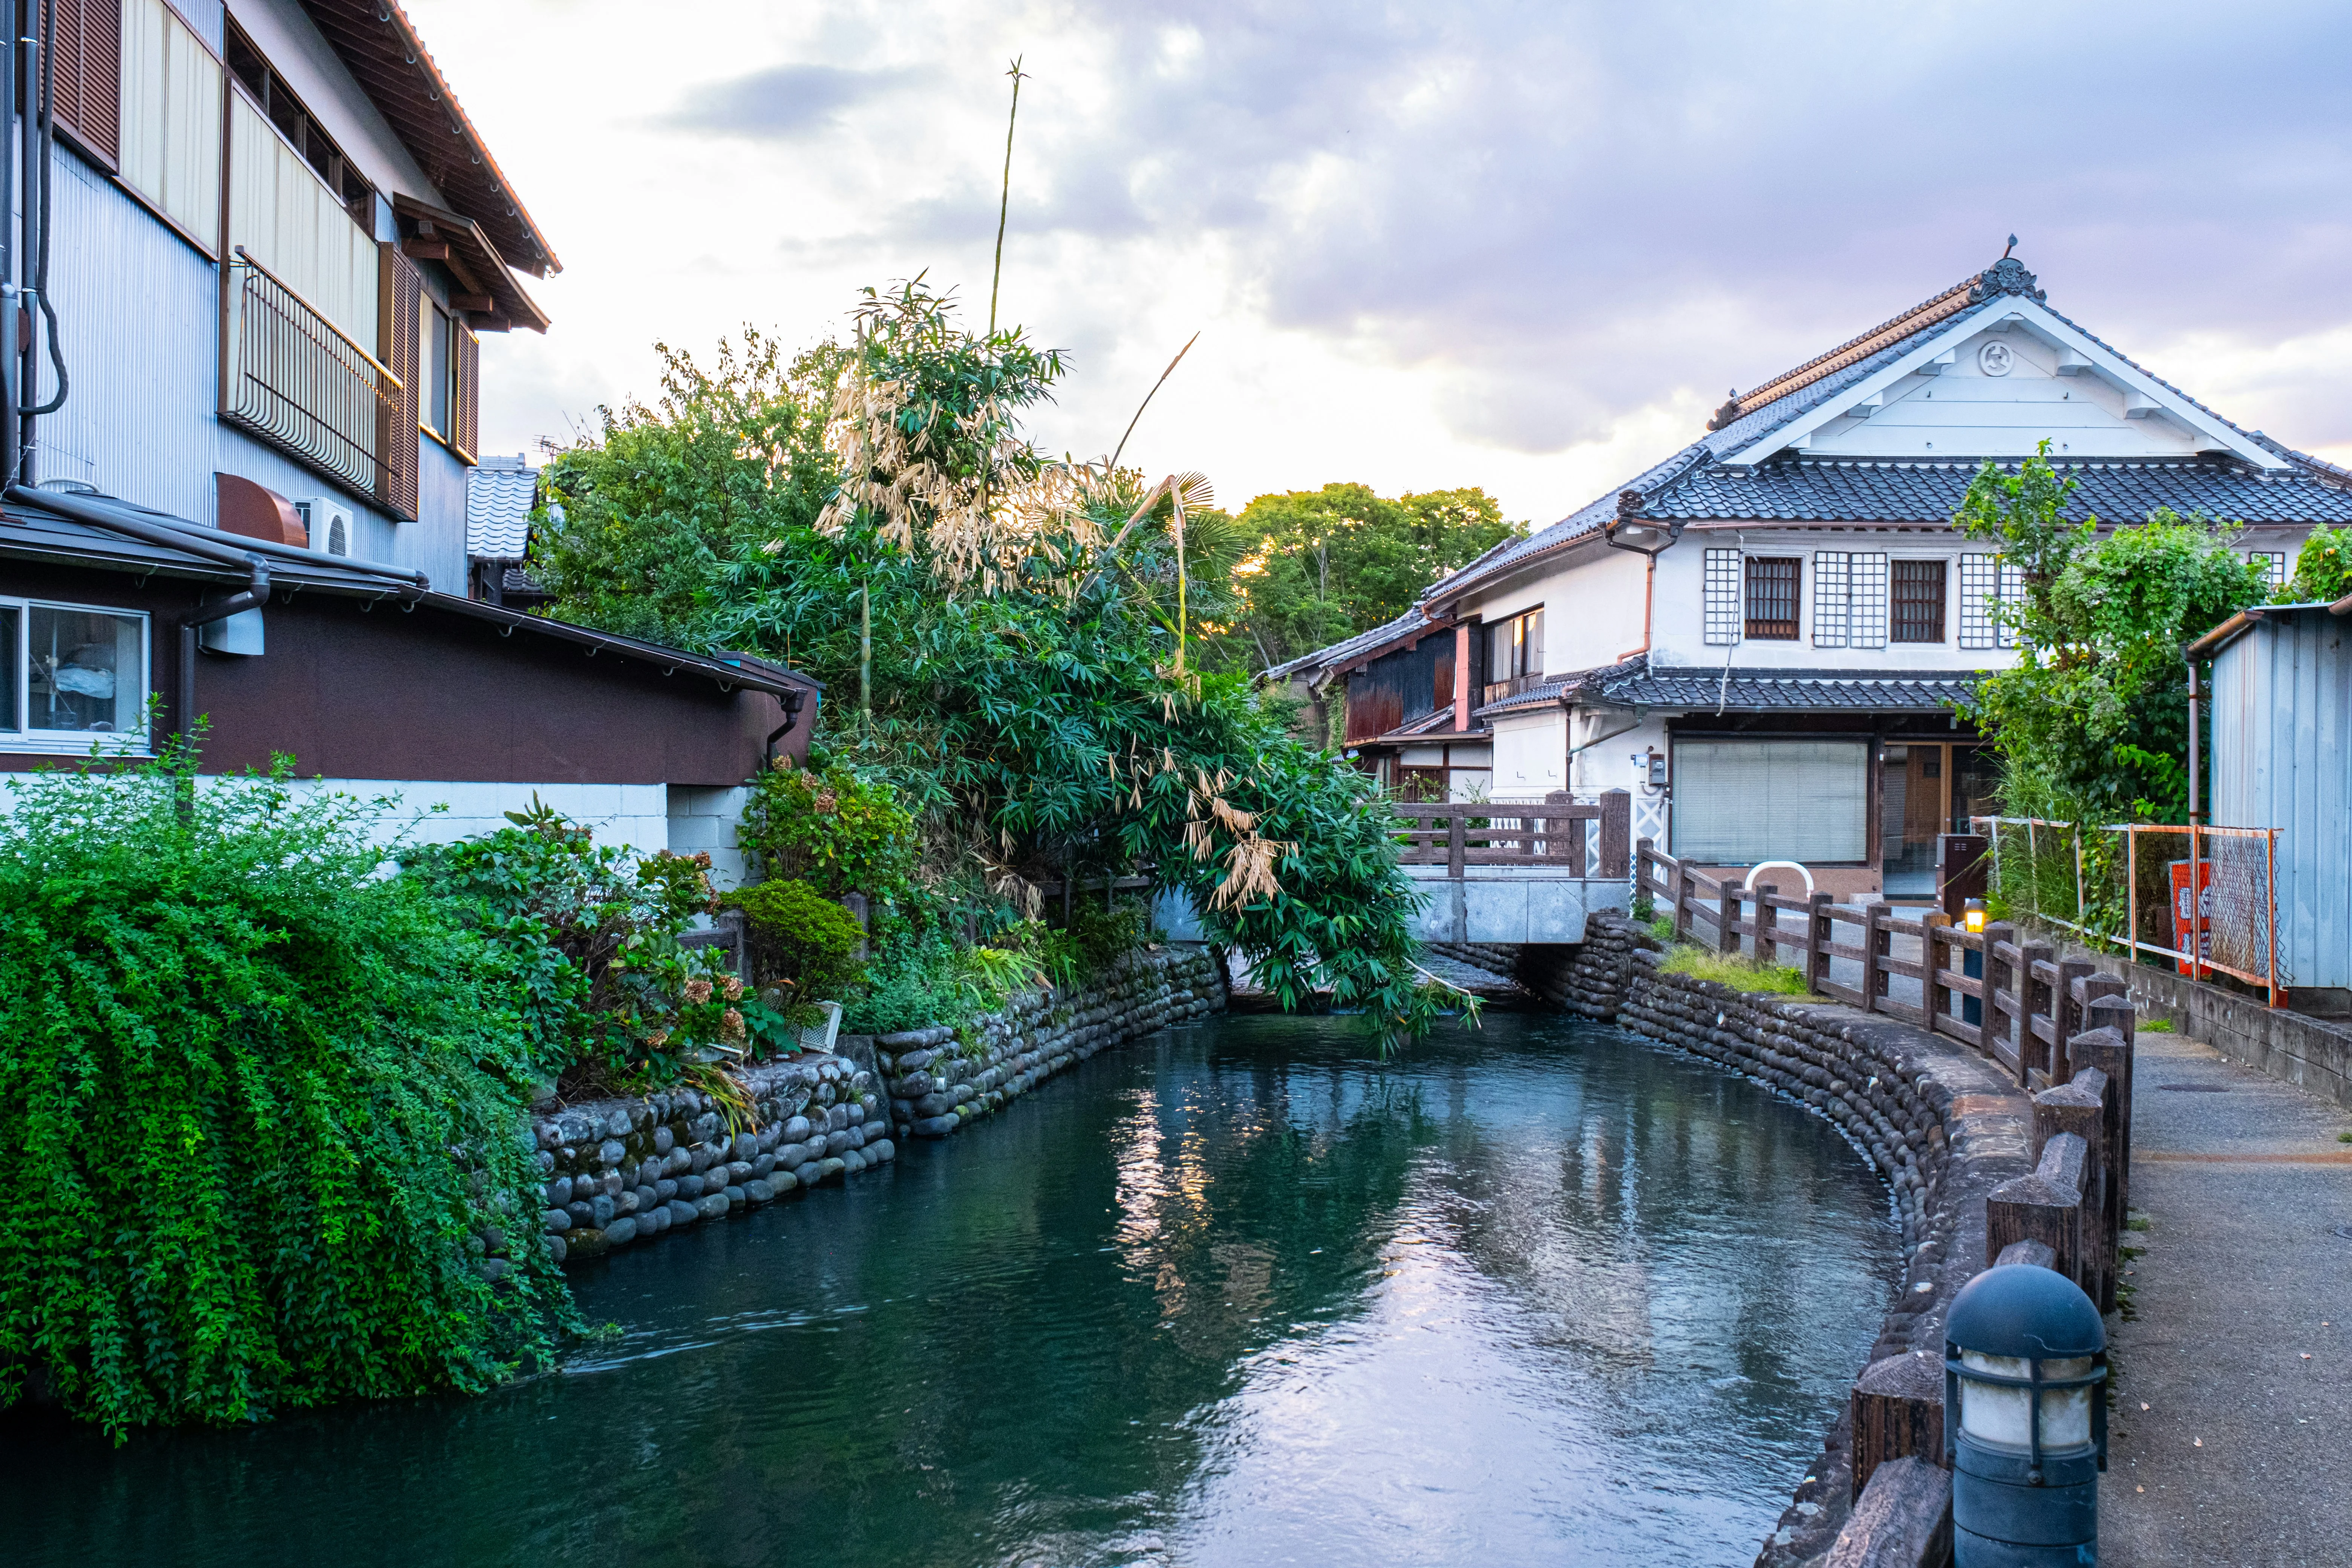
[
  {"x": 941, "y": 1082},
  {"x": 622, "y": 1170},
  {"x": 1940, "y": 1123}
]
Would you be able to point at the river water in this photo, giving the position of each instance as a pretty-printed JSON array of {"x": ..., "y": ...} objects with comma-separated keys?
[{"x": 1237, "y": 1295}]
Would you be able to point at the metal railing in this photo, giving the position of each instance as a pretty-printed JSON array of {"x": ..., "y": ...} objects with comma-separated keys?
[
  {"x": 304, "y": 385},
  {"x": 1495, "y": 690}
]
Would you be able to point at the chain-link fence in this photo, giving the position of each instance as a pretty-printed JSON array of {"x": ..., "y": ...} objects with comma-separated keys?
[{"x": 2206, "y": 898}]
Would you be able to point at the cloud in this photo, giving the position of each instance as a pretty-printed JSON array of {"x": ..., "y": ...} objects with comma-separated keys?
[{"x": 781, "y": 103}]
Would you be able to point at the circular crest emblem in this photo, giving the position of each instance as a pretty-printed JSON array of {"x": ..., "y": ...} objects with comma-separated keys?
[{"x": 1996, "y": 359}]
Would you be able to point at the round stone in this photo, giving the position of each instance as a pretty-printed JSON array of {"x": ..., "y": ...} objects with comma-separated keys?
[
  {"x": 711, "y": 1205},
  {"x": 681, "y": 1211},
  {"x": 556, "y": 1249},
  {"x": 621, "y": 1232},
  {"x": 664, "y": 1140},
  {"x": 783, "y": 1181},
  {"x": 758, "y": 1191},
  {"x": 559, "y": 1191},
  {"x": 810, "y": 1174},
  {"x": 880, "y": 1151},
  {"x": 555, "y": 1221},
  {"x": 796, "y": 1130}
]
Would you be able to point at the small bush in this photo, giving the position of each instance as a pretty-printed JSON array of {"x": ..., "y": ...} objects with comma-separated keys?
[
  {"x": 1735, "y": 970},
  {"x": 838, "y": 830},
  {"x": 2154, "y": 1026},
  {"x": 260, "y": 1105},
  {"x": 800, "y": 940}
]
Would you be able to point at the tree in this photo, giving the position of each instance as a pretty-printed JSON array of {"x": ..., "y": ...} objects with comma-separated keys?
[
  {"x": 1325, "y": 564},
  {"x": 2092, "y": 723}
]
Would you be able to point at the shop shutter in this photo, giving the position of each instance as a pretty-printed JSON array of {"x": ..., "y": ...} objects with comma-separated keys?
[
  {"x": 400, "y": 294},
  {"x": 86, "y": 75},
  {"x": 1737, "y": 803},
  {"x": 469, "y": 382}
]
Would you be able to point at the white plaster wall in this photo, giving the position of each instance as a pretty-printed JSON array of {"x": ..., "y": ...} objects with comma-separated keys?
[
  {"x": 703, "y": 820},
  {"x": 1530, "y": 754},
  {"x": 635, "y": 815}
]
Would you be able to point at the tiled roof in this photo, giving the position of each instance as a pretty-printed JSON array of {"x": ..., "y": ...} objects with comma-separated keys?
[
  {"x": 2118, "y": 490},
  {"x": 1437, "y": 721},
  {"x": 1793, "y": 690},
  {"x": 1354, "y": 648},
  {"x": 1547, "y": 695},
  {"x": 498, "y": 496}
]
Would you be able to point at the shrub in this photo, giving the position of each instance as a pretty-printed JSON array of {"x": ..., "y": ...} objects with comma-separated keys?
[
  {"x": 919, "y": 980},
  {"x": 260, "y": 1105},
  {"x": 2323, "y": 568},
  {"x": 838, "y": 830},
  {"x": 1735, "y": 970},
  {"x": 591, "y": 931},
  {"x": 802, "y": 940}
]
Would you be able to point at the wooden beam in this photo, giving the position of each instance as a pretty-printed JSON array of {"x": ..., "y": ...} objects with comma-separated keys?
[
  {"x": 481, "y": 303},
  {"x": 421, "y": 250}
]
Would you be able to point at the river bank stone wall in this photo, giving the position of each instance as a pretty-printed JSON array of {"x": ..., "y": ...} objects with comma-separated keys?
[
  {"x": 619, "y": 1171},
  {"x": 941, "y": 1082},
  {"x": 1941, "y": 1124}
]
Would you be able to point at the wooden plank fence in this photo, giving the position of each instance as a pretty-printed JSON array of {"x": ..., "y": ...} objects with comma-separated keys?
[{"x": 1581, "y": 837}]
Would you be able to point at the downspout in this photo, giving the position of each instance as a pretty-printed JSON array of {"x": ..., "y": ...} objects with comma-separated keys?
[
  {"x": 794, "y": 702},
  {"x": 10, "y": 301}
]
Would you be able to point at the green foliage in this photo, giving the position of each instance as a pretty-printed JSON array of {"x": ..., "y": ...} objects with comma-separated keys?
[
  {"x": 592, "y": 931},
  {"x": 258, "y": 1102},
  {"x": 1325, "y": 564},
  {"x": 2323, "y": 568},
  {"x": 1735, "y": 970},
  {"x": 802, "y": 940},
  {"x": 841, "y": 829},
  {"x": 640, "y": 518},
  {"x": 920, "y": 979},
  {"x": 2092, "y": 723}
]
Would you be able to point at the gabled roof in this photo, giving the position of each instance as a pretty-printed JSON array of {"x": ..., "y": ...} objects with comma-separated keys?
[
  {"x": 1699, "y": 481},
  {"x": 378, "y": 45},
  {"x": 1363, "y": 645},
  {"x": 498, "y": 496}
]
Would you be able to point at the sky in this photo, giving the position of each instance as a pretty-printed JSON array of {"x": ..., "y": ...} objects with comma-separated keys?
[{"x": 1525, "y": 246}]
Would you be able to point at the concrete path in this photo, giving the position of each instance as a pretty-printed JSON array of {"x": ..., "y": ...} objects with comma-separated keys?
[{"x": 2246, "y": 1269}]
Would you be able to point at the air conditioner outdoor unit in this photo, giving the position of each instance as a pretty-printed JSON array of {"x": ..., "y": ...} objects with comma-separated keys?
[{"x": 330, "y": 523}]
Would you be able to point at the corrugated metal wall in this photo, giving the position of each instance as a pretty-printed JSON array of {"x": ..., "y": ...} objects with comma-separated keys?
[{"x": 2283, "y": 758}]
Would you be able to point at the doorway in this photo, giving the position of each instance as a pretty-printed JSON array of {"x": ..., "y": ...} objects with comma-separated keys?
[{"x": 1926, "y": 788}]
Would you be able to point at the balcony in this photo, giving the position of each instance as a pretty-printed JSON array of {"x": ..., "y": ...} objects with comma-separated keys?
[
  {"x": 300, "y": 383},
  {"x": 1495, "y": 690}
]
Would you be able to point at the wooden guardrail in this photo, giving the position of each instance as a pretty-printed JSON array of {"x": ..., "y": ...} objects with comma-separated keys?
[{"x": 1578, "y": 836}]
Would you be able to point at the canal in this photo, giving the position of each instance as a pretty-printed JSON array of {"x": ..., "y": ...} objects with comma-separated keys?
[{"x": 1235, "y": 1295}]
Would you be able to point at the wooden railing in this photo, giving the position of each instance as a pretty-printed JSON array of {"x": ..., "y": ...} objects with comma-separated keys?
[
  {"x": 1581, "y": 838},
  {"x": 2029, "y": 1001}
]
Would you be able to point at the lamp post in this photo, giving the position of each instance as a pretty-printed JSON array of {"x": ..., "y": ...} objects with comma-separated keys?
[
  {"x": 1972, "y": 921},
  {"x": 2024, "y": 1360}
]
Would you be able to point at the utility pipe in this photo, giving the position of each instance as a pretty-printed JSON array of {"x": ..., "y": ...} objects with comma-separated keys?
[{"x": 9, "y": 300}]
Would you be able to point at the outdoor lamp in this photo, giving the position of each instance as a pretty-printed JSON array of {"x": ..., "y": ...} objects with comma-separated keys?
[
  {"x": 2025, "y": 1359},
  {"x": 1973, "y": 920}
]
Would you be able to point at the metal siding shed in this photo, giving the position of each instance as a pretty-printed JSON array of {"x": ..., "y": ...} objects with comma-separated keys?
[{"x": 2283, "y": 758}]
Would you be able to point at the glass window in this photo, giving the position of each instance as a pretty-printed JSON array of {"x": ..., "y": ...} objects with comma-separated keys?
[
  {"x": 11, "y": 680},
  {"x": 1919, "y": 602},
  {"x": 433, "y": 364},
  {"x": 1516, "y": 648},
  {"x": 1772, "y": 598},
  {"x": 87, "y": 672}
]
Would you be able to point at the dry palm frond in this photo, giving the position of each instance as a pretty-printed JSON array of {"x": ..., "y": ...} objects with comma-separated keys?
[
  {"x": 728, "y": 1093},
  {"x": 1249, "y": 871}
]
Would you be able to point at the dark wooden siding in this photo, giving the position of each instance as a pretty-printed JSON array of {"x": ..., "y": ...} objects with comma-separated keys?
[
  {"x": 1396, "y": 687},
  {"x": 384, "y": 693}
]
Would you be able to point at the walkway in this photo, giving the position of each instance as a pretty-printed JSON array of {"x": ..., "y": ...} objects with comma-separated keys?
[{"x": 2247, "y": 1270}]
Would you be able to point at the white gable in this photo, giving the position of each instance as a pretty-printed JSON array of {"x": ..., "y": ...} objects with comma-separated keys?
[{"x": 1993, "y": 383}]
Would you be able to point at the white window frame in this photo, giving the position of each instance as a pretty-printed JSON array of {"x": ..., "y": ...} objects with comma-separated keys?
[
  {"x": 2276, "y": 561},
  {"x": 1984, "y": 578},
  {"x": 1725, "y": 598},
  {"x": 75, "y": 742},
  {"x": 1850, "y": 598}
]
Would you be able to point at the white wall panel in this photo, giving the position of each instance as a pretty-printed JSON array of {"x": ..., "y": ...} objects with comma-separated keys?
[{"x": 171, "y": 89}]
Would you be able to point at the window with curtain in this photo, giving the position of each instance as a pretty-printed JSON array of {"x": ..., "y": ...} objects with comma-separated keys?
[
  {"x": 1515, "y": 647},
  {"x": 1917, "y": 602},
  {"x": 1772, "y": 598},
  {"x": 71, "y": 669},
  {"x": 434, "y": 363},
  {"x": 1740, "y": 802}
]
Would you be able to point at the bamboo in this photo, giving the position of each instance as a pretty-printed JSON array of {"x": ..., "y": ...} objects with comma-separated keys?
[{"x": 1005, "y": 200}]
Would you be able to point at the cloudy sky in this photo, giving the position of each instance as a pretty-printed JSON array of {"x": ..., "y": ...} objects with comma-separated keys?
[{"x": 1520, "y": 246}]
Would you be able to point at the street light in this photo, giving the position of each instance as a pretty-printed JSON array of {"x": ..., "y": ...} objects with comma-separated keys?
[
  {"x": 2024, "y": 1360},
  {"x": 1972, "y": 921}
]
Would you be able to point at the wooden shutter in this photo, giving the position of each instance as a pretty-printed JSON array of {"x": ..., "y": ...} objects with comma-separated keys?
[
  {"x": 470, "y": 382},
  {"x": 400, "y": 292},
  {"x": 85, "y": 71}
]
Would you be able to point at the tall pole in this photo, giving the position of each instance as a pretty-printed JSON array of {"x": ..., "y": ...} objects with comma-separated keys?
[
  {"x": 1005, "y": 200},
  {"x": 866, "y": 651}
]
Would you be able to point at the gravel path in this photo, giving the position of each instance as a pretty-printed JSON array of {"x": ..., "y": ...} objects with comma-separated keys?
[{"x": 2245, "y": 1454}]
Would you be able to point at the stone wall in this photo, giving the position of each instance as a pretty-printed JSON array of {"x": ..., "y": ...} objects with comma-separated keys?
[
  {"x": 621, "y": 1170},
  {"x": 941, "y": 1082},
  {"x": 1942, "y": 1125}
]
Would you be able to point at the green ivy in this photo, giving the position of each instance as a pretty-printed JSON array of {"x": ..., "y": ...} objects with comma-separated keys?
[{"x": 261, "y": 1107}]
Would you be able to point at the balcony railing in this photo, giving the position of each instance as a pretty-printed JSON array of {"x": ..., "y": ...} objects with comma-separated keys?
[
  {"x": 1495, "y": 690},
  {"x": 302, "y": 385}
]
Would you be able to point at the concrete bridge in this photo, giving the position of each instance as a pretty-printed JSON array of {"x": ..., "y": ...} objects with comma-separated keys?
[{"x": 1518, "y": 871}]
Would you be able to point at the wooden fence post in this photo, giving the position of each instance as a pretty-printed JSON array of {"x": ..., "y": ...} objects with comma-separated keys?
[
  {"x": 2046, "y": 1207},
  {"x": 2066, "y": 1012},
  {"x": 2079, "y": 1107},
  {"x": 2033, "y": 1001},
  {"x": 2108, "y": 1050},
  {"x": 1767, "y": 923},
  {"x": 1643, "y": 849},
  {"x": 1899, "y": 1414},
  {"x": 1455, "y": 851},
  {"x": 1817, "y": 943},
  {"x": 1683, "y": 889},
  {"x": 1997, "y": 985},
  {"x": 1616, "y": 830},
  {"x": 1726, "y": 924},
  {"x": 1935, "y": 927},
  {"x": 1878, "y": 945}
]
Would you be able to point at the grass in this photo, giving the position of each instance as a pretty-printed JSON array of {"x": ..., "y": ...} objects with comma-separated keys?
[
  {"x": 1739, "y": 972},
  {"x": 2155, "y": 1026},
  {"x": 2343, "y": 1137}
]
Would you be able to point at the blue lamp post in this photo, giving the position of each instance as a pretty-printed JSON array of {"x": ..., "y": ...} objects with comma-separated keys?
[
  {"x": 2025, "y": 1359},
  {"x": 1973, "y": 920}
]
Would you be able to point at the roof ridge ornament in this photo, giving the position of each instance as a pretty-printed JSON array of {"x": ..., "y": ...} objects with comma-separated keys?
[
  {"x": 1727, "y": 414},
  {"x": 2007, "y": 276}
]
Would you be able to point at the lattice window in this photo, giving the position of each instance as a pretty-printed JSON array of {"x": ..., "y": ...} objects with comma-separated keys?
[
  {"x": 1867, "y": 601},
  {"x": 2275, "y": 559},
  {"x": 1918, "y": 601},
  {"x": 1723, "y": 609},
  {"x": 1772, "y": 587},
  {"x": 1833, "y": 590},
  {"x": 1979, "y": 584}
]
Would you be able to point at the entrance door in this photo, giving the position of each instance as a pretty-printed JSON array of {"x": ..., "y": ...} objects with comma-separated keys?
[{"x": 1927, "y": 787}]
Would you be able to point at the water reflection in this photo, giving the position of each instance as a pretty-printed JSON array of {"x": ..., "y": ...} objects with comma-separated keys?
[{"x": 1541, "y": 1295}]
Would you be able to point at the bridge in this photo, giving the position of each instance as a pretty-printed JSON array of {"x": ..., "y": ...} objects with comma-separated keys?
[{"x": 1518, "y": 871}]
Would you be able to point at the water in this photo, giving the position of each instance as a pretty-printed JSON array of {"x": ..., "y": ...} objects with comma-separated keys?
[{"x": 1543, "y": 1294}]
